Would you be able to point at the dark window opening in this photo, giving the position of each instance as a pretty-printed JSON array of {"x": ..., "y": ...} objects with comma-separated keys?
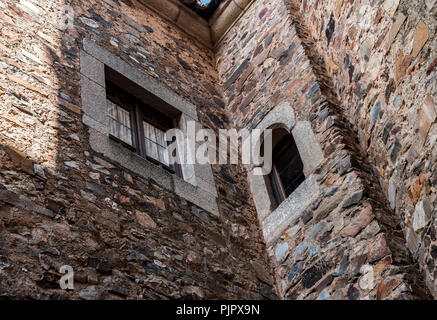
[
  {"x": 137, "y": 125},
  {"x": 287, "y": 170}
]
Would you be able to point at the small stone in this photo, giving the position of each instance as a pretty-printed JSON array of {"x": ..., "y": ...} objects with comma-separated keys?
[
  {"x": 390, "y": 6},
  {"x": 426, "y": 117},
  {"x": 344, "y": 165},
  {"x": 329, "y": 32},
  {"x": 344, "y": 263},
  {"x": 400, "y": 19},
  {"x": 353, "y": 199},
  {"x": 359, "y": 223},
  {"x": 88, "y": 196},
  {"x": 89, "y": 293},
  {"x": 306, "y": 216},
  {"x": 300, "y": 251},
  {"x": 295, "y": 270},
  {"x": 311, "y": 276},
  {"x": 144, "y": 219},
  {"x": 39, "y": 171},
  {"x": 99, "y": 19},
  {"x": 324, "y": 295},
  {"x": 422, "y": 35},
  {"x": 157, "y": 203},
  {"x": 402, "y": 62},
  {"x": 72, "y": 164},
  {"x": 430, "y": 4},
  {"x": 421, "y": 215},
  {"x": 313, "y": 250},
  {"x": 331, "y": 191},
  {"x": 392, "y": 194},
  {"x": 378, "y": 249},
  {"x": 315, "y": 230},
  {"x": 148, "y": 29},
  {"x": 367, "y": 281},
  {"x": 398, "y": 101},
  {"x": 375, "y": 113},
  {"x": 281, "y": 251},
  {"x": 90, "y": 23},
  {"x": 293, "y": 231}
]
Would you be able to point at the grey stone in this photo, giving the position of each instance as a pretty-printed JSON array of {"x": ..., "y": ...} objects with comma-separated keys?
[
  {"x": 422, "y": 214},
  {"x": 375, "y": 113},
  {"x": 316, "y": 229},
  {"x": 92, "y": 68},
  {"x": 290, "y": 209},
  {"x": 295, "y": 270},
  {"x": 344, "y": 263},
  {"x": 72, "y": 164},
  {"x": 353, "y": 199},
  {"x": 313, "y": 250},
  {"x": 309, "y": 148},
  {"x": 20, "y": 201},
  {"x": 392, "y": 193},
  {"x": 89, "y": 293},
  {"x": 90, "y": 23},
  {"x": 331, "y": 191},
  {"x": 398, "y": 101},
  {"x": 300, "y": 251},
  {"x": 306, "y": 216},
  {"x": 324, "y": 295},
  {"x": 282, "y": 114},
  {"x": 94, "y": 100},
  {"x": 88, "y": 196},
  {"x": 281, "y": 250}
]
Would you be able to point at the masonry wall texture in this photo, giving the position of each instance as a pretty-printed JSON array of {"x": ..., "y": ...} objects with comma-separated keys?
[
  {"x": 64, "y": 204},
  {"x": 362, "y": 72},
  {"x": 348, "y": 244}
]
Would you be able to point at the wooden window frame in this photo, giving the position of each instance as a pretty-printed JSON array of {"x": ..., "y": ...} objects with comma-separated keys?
[
  {"x": 279, "y": 191},
  {"x": 139, "y": 112}
]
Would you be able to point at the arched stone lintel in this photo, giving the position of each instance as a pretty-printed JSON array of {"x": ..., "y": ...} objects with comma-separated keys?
[{"x": 274, "y": 222}]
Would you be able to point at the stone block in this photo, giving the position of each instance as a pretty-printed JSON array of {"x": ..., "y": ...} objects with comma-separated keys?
[
  {"x": 279, "y": 220},
  {"x": 94, "y": 101},
  {"x": 92, "y": 68},
  {"x": 309, "y": 148}
]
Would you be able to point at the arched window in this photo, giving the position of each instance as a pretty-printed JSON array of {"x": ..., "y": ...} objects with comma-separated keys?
[{"x": 287, "y": 170}]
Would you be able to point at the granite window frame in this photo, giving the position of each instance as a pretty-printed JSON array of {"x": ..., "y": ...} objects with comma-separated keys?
[
  {"x": 275, "y": 219},
  {"x": 198, "y": 185}
]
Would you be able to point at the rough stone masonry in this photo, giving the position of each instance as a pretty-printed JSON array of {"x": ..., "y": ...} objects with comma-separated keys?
[{"x": 362, "y": 73}]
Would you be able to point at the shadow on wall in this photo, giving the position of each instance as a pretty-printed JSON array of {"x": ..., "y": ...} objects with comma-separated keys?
[{"x": 63, "y": 204}]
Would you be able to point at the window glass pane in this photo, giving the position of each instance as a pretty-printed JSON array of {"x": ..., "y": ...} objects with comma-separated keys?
[
  {"x": 156, "y": 146},
  {"x": 162, "y": 147},
  {"x": 119, "y": 123},
  {"x": 289, "y": 165},
  {"x": 150, "y": 141}
]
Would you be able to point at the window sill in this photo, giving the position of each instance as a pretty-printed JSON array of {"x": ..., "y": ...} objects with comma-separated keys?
[
  {"x": 148, "y": 170},
  {"x": 275, "y": 222}
]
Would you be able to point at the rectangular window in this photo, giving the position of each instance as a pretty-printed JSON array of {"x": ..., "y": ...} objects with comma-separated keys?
[{"x": 139, "y": 127}]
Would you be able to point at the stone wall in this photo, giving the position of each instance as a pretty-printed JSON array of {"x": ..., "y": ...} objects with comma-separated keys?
[
  {"x": 62, "y": 203},
  {"x": 380, "y": 61},
  {"x": 347, "y": 244}
]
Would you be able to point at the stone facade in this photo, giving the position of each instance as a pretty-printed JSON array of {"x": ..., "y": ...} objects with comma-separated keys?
[
  {"x": 348, "y": 243},
  {"x": 359, "y": 77},
  {"x": 63, "y": 203}
]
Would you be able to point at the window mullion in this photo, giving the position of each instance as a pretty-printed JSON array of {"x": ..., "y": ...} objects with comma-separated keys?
[{"x": 140, "y": 131}]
